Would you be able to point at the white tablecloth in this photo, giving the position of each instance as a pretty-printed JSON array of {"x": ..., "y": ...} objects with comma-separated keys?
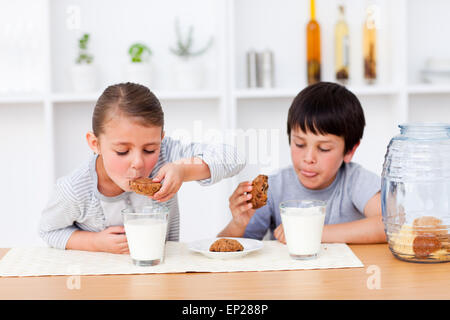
[{"x": 37, "y": 261}]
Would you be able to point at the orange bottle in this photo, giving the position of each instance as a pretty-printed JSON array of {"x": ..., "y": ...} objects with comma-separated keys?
[{"x": 313, "y": 47}]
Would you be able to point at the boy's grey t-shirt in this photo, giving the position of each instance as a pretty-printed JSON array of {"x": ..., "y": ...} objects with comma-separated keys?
[{"x": 346, "y": 197}]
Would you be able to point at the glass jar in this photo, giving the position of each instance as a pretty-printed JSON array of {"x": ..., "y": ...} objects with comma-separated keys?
[{"x": 415, "y": 193}]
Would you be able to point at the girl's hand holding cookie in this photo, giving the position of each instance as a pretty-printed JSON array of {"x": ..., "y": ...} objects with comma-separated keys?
[{"x": 173, "y": 175}]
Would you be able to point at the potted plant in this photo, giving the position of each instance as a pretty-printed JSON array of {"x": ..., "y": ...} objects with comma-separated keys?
[
  {"x": 139, "y": 70},
  {"x": 84, "y": 73},
  {"x": 189, "y": 71}
]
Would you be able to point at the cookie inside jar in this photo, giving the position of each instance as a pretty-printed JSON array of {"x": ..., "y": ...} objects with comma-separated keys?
[{"x": 426, "y": 239}]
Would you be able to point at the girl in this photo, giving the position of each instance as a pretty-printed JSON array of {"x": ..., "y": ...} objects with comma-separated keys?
[{"x": 128, "y": 141}]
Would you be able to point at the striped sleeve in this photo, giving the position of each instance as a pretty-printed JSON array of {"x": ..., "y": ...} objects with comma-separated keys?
[
  {"x": 58, "y": 217},
  {"x": 223, "y": 160}
]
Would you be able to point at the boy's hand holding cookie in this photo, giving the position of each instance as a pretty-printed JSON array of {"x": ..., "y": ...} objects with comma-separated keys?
[
  {"x": 240, "y": 207},
  {"x": 248, "y": 196}
]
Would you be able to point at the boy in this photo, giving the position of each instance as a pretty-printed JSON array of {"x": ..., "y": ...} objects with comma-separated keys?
[{"x": 325, "y": 125}]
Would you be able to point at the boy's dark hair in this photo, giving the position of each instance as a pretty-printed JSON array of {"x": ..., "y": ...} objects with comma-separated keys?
[
  {"x": 133, "y": 100},
  {"x": 328, "y": 108}
]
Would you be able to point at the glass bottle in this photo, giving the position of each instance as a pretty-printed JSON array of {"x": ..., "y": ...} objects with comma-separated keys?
[
  {"x": 370, "y": 46},
  {"x": 415, "y": 193},
  {"x": 313, "y": 47},
  {"x": 341, "y": 48}
]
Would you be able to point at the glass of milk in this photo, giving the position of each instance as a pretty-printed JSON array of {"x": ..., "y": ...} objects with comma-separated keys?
[
  {"x": 146, "y": 229},
  {"x": 303, "y": 224}
]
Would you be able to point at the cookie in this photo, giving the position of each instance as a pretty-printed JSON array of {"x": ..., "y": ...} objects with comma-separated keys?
[
  {"x": 260, "y": 185},
  {"x": 226, "y": 245},
  {"x": 441, "y": 255},
  {"x": 424, "y": 245},
  {"x": 429, "y": 225},
  {"x": 402, "y": 241},
  {"x": 145, "y": 186}
]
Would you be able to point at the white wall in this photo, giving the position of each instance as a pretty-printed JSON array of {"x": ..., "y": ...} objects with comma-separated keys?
[
  {"x": 427, "y": 35},
  {"x": 23, "y": 180},
  {"x": 114, "y": 26}
]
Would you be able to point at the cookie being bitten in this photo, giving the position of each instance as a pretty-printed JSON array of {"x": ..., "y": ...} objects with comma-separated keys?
[
  {"x": 259, "y": 191},
  {"x": 145, "y": 186}
]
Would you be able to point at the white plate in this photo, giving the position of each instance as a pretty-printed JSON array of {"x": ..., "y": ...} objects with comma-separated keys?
[{"x": 202, "y": 246}]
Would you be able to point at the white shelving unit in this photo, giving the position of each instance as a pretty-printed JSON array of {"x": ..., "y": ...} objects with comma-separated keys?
[{"x": 46, "y": 129}]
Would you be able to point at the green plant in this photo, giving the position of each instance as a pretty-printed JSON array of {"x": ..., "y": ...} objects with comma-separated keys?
[
  {"x": 83, "y": 54},
  {"x": 139, "y": 52},
  {"x": 183, "y": 47}
]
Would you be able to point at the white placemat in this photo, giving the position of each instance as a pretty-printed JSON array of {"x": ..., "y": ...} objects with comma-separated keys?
[{"x": 178, "y": 258}]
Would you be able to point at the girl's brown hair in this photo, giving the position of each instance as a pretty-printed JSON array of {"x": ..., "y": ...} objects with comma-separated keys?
[{"x": 131, "y": 99}]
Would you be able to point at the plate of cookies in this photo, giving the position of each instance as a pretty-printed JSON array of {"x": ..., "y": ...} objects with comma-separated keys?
[{"x": 226, "y": 247}]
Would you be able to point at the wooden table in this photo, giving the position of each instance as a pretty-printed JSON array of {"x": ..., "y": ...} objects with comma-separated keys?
[{"x": 382, "y": 277}]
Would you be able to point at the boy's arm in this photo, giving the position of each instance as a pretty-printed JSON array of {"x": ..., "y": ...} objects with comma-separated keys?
[
  {"x": 241, "y": 211},
  {"x": 233, "y": 229},
  {"x": 367, "y": 230},
  {"x": 247, "y": 222}
]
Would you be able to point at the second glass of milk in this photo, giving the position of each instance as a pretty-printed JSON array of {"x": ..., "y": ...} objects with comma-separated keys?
[
  {"x": 303, "y": 224},
  {"x": 146, "y": 229}
]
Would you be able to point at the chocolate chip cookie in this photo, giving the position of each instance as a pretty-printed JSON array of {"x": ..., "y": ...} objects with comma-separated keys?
[
  {"x": 145, "y": 186},
  {"x": 226, "y": 245},
  {"x": 259, "y": 191}
]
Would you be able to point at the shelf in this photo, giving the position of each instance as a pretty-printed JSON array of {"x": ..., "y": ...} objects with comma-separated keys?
[
  {"x": 257, "y": 93},
  {"x": 261, "y": 93},
  {"x": 162, "y": 95},
  {"x": 374, "y": 90},
  {"x": 75, "y": 97},
  {"x": 429, "y": 89},
  {"x": 188, "y": 95},
  {"x": 22, "y": 99}
]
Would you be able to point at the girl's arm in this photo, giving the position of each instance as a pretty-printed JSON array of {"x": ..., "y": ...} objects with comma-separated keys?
[
  {"x": 112, "y": 240},
  {"x": 222, "y": 160},
  {"x": 177, "y": 172},
  {"x": 194, "y": 169},
  {"x": 81, "y": 240},
  {"x": 204, "y": 163}
]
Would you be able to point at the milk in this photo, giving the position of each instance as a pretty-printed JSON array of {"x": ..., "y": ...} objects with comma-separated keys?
[
  {"x": 146, "y": 238},
  {"x": 303, "y": 230}
]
